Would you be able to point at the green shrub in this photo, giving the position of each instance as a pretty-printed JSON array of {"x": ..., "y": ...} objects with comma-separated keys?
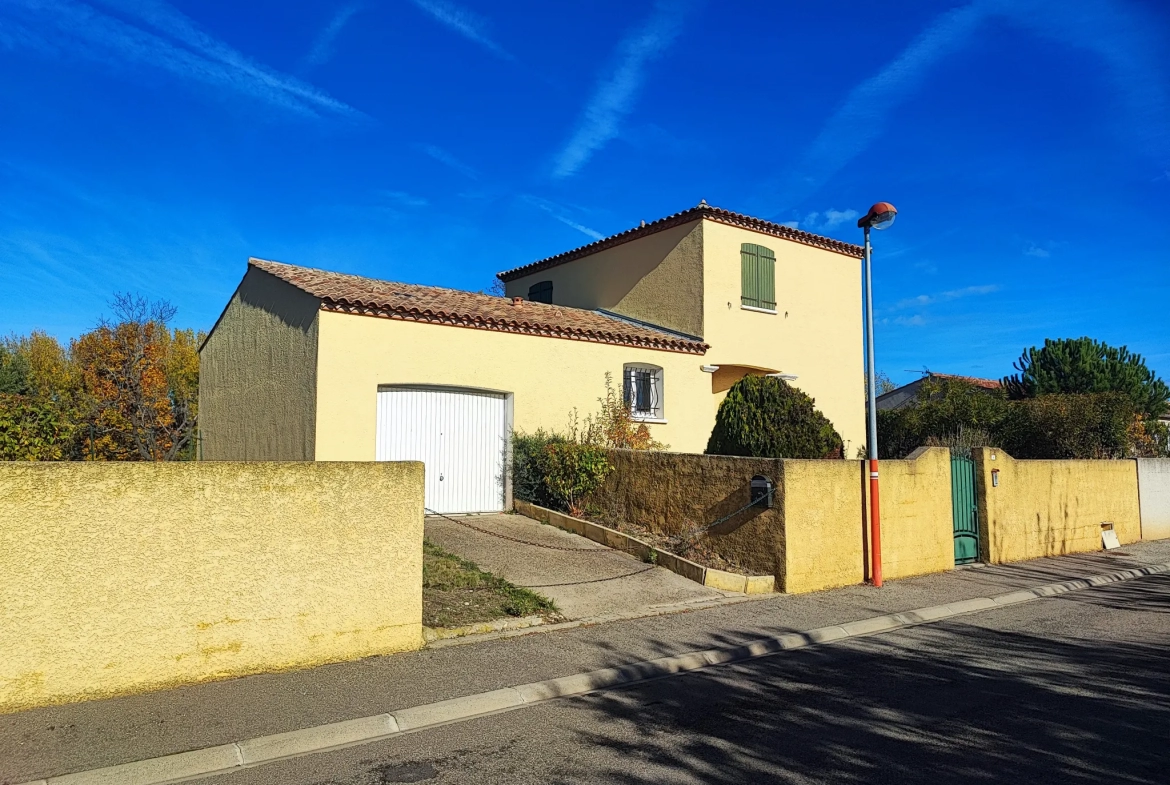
[
  {"x": 1083, "y": 365},
  {"x": 948, "y": 412},
  {"x": 1068, "y": 426},
  {"x": 955, "y": 414},
  {"x": 575, "y": 470},
  {"x": 35, "y": 430},
  {"x": 530, "y": 466},
  {"x": 765, "y": 417}
]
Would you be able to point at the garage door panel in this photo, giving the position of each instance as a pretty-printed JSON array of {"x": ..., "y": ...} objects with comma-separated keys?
[{"x": 461, "y": 436}]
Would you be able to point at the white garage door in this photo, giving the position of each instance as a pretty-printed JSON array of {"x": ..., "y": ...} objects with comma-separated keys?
[{"x": 461, "y": 436}]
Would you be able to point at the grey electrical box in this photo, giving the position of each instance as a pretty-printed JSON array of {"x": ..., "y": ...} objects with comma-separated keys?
[{"x": 763, "y": 492}]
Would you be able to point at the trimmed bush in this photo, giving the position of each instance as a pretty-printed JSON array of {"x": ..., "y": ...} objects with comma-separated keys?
[
  {"x": 765, "y": 417},
  {"x": 1068, "y": 426},
  {"x": 556, "y": 472},
  {"x": 530, "y": 467}
]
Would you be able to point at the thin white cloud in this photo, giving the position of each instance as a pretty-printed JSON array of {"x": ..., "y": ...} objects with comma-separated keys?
[
  {"x": 613, "y": 98},
  {"x": 1037, "y": 251},
  {"x": 66, "y": 29},
  {"x": 558, "y": 212},
  {"x": 861, "y": 118},
  {"x": 791, "y": 224},
  {"x": 463, "y": 21},
  {"x": 938, "y": 297},
  {"x": 322, "y": 49},
  {"x": 1121, "y": 34},
  {"x": 405, "y": 199},
  {"x": 450, "y": 161},
  {"x": 828, "y": 220}
]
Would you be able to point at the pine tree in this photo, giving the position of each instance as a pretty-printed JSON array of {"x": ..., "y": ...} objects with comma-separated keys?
[{"x": 1082, "y": 365}]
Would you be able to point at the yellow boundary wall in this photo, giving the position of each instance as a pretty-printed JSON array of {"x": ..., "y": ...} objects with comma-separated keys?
[
  {"x": 119, "y": 578},
  {"x": 1030, "y": 509},
  {"x": 815, "y": 537}
]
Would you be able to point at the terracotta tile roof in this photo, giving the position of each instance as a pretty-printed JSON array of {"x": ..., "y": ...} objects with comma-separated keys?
[
  {"x": 371, "y": 297},
  {"x": 987, "y": 384},
  {"x": 702, "y": 210}
]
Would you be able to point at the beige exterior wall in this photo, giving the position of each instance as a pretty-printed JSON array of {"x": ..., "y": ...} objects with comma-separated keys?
[
  {"x": 816, "y": 332},
  {"x": 548, "y": 377},
  {"x": 258, "y": 375},
  {"x": 119, "y": 578},
  {"x": 1050, "y": 508},
  {"x": 657, "y": 279},
  {"x": 823, "y": 525},
  {"x": 918, "y": 529}
]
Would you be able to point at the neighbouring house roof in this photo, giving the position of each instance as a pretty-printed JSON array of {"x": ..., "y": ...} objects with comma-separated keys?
[
  {"x": 431, "y": 304},
  {"x": 702, "y": 210},
  {"x": 907, "y": 394},
  {"x": 987, "y": 384}
]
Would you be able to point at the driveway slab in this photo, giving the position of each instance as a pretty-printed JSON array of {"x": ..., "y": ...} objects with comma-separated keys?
[{"x": 584, "y": 579}]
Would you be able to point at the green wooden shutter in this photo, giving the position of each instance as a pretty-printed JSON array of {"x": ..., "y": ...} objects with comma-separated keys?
[
  {"x": 766, "y": 285},
  {"x": 757, "y": 276},
  {"x": 749, "y": 275}
]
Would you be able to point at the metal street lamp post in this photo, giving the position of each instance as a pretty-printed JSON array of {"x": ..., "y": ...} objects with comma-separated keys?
[{"x": 880, "y": 216}]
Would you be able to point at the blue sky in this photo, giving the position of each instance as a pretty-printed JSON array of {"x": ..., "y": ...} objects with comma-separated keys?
[{"x": 153, "y": 147}]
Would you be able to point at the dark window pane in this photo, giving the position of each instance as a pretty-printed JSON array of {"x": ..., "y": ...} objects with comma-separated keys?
[{"x": 541, "y": 292}]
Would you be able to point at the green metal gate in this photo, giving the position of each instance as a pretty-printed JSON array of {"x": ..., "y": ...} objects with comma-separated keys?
[{"x": 966, "y": 510}]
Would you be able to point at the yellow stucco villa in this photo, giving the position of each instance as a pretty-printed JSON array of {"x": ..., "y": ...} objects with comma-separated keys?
[{"x": 305, "y": 364}]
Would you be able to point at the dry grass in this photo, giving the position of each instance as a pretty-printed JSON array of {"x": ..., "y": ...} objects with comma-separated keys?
[{"x": 456, "y": 592}]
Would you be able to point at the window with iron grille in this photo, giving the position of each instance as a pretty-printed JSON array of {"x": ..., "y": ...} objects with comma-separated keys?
[
  {"x": 541, "y": 292},
  {"x": 757, "y": 276},
  {"x": 642, "y": 388}
]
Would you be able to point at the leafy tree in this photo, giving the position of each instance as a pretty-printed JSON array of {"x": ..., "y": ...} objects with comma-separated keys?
[
  {"x": 38, "y": 418},
  {"x": 13, "y": 369},
  {"x": 948, "y": 412},
  {"x": 140, "y": 382},
  {"x": 1082, "y": 365},
  {"x": 34, "y": 429},
  {"x": 882, "y": 383},
  {"x": 765, "y": 417}
]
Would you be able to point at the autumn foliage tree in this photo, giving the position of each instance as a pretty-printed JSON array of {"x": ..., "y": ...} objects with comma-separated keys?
[
  {"x": 127, "y": 390},
  {"x": 140, "y": 383}
]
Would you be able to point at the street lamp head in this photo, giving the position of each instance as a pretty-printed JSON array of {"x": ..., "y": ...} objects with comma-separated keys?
[{"x": 880, "y": 216}]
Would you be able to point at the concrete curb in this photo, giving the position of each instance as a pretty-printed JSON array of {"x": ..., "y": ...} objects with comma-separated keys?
[
  {"x": 255, "y": 752},
  {"x": 432, "y": 634}
]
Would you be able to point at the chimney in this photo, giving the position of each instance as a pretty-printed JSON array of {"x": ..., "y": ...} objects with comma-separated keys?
[{"x": 517, "y": 300}]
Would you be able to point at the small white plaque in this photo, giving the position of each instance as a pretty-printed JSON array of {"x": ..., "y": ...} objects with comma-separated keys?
[{"x": 1109, "y": 539}]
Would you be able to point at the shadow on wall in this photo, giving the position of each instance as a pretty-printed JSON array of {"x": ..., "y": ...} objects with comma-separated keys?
[{"x": 945, "y": 703}]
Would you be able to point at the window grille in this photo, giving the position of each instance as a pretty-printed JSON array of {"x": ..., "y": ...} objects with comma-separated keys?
[{"x": 642, "y": 389}]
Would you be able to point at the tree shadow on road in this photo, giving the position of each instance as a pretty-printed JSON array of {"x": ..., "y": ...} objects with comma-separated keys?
[{"x": 942, "y": 703}]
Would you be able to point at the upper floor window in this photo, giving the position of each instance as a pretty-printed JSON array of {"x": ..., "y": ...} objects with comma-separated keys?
[
  {"x": 541, "y": 292},
  {"x": 642, "y": 388},
  {"x": 757, "y": 277}
]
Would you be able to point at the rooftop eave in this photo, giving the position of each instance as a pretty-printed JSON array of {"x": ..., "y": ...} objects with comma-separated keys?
[
  {"x": 516, "y": 326},
  {"x": 701, "y": 212}
]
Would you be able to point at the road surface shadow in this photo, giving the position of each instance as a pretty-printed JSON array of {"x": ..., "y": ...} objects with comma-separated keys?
[{"x": 951, "y": 702}]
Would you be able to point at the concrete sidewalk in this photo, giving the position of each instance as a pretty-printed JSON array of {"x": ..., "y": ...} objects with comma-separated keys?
[
  {"x": 584, "y": 579},
  {"x": 47, "y": 742}
]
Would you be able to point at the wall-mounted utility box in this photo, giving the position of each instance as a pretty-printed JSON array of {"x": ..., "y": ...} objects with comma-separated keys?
[{"x": 763, "y": 491}]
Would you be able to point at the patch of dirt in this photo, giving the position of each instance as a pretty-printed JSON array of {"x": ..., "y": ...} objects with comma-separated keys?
[
  {"x": 457, "y": 593},
  {"x": 690, "y": 545}
]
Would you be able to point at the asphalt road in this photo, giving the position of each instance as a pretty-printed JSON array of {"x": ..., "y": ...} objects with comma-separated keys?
[{"x": 1074, "y": 689}]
